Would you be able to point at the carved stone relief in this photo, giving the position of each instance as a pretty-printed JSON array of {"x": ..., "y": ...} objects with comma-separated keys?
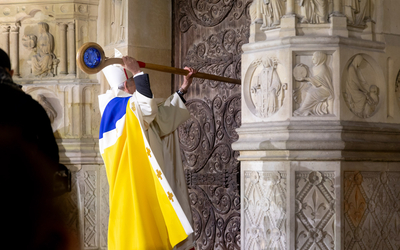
[
  {"x": 358, "y": 12},
  {"x": 43, "y": 62},
  {"x": 105, "y": 207},
  {"x": 255, "y": 11},
  {"x": 267, "y": 92},
  {"x": 70, "y": 208},
  {"x": 314, "y": 11},
  {"x": 50, "y": 111},
  {"x": 313, "y": 94},
  {"x": 315, "y": 210},
  {"x": 361, "y": 94},
  {"x": 209, "y": 13},
  {"x": 272, "y": 12},
  {"x": 50, "y": 103},
  {"x": 371, "y": 210},
  {"x": 90, "y": 235},
  {"x": 264, "y": 210},
  {"x": 118, "y": 21}
]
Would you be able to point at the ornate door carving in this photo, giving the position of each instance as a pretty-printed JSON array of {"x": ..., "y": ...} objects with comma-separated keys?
[{"x": 208, "y": 36}]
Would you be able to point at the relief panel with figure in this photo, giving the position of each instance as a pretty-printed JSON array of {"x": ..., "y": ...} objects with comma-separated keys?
[
  {"x": 313, "y": 92},
  {"x": 361, "y": 92}
]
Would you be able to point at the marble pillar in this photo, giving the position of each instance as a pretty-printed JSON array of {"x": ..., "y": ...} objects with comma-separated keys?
[{"x": 319, "y": 151}]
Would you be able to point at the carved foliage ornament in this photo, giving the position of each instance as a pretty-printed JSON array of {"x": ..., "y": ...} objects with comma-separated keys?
[
  {"x": 267, "y": 92},
  {"x": 212, "y": 170},
  {"x": 372, "y": 210},
  {"x": 209, "y": 13},
  {"x": 219, "y": 54},
  {"x": 315, "y": 210},
  {"x": 265, "y": 210}
]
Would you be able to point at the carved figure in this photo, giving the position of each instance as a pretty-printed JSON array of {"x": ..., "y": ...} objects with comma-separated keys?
[
  {"x": 307, "y": 7},
  {"x": 319, "y": 91},
  {"x": 361, "y": 98},
  {"x": 255, "y": 11},
  {"x": 314, "y": 11},
  {"x": 268, "y": 94},
  {"x": 272, "y": 11},
  {"x": 42, "y": 62},
  {"x": 321, "y": 11},
  {"x": 357, "y": 11},
  {"x": 29, "y": 42}
]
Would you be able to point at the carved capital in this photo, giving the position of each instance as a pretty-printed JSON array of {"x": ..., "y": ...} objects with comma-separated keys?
[
  {"x": 71, "y": 26},
  {"x": 15, "y": 27},
  {"x": 5, "y": 28},
  {"x": 62, "y": 26}
]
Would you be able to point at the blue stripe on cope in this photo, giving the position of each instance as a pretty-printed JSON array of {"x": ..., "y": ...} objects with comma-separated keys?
[{"x": 113, "y": 112}]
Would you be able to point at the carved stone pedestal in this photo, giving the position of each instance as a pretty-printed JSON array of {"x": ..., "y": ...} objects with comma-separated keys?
[{"x": 319, "y": 151}]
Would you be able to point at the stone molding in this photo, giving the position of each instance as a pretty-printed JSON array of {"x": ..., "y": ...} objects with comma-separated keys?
[{"x": 329, "y": 140}]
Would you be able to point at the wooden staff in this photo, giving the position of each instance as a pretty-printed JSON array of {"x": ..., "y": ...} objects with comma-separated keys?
[{"x": 91, "y": 60}]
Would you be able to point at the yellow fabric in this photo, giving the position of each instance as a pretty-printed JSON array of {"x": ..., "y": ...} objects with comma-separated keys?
[{"x": 141, "y": 214}]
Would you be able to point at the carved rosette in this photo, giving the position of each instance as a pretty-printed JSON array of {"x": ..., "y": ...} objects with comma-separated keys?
[
  {"x": 315, "y": 210},
  {"x": 372, "y": 210},
  {"x": 265, "y": 210}
]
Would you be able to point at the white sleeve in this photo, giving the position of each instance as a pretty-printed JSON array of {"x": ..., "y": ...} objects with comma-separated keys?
[
  {"x": 148, "y": 108},
  {"x": 171, "y": 114}
]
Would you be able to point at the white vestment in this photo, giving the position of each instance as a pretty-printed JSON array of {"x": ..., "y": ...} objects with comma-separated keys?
[{"x": 161, "y": 122}]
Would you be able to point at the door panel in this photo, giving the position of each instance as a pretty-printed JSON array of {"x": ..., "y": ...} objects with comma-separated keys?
[{"x": 208, "y": 36}]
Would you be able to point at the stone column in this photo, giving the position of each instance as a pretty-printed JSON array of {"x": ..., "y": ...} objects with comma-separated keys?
[
  {"x": 71, "y": 49},
  {"x": 338, "y": 21},
  {"x": 288, "y": 21},
  {"x": 320, "y": 171},
  {"x": 14, "y": 49},
  {"x": 63, "y": 49},
  {"x": 337, "y": 8},
  {"x": 290, "y": 8},
  {"x": 5, "y": 38}
]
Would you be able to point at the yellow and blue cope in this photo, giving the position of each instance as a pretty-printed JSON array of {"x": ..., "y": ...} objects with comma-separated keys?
[{"x": 92, "y": 57}]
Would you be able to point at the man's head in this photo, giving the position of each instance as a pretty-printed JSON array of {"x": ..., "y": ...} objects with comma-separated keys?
[
  {"x": 128, "y": 86},
  {"x": 5, "y": 62}
]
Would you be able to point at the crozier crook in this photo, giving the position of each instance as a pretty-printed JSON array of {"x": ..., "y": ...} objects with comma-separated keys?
[{"x": 91, "y": 60}]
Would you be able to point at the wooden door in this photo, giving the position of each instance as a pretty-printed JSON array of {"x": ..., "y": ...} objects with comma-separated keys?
[{"x": 208, "y": 35}]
